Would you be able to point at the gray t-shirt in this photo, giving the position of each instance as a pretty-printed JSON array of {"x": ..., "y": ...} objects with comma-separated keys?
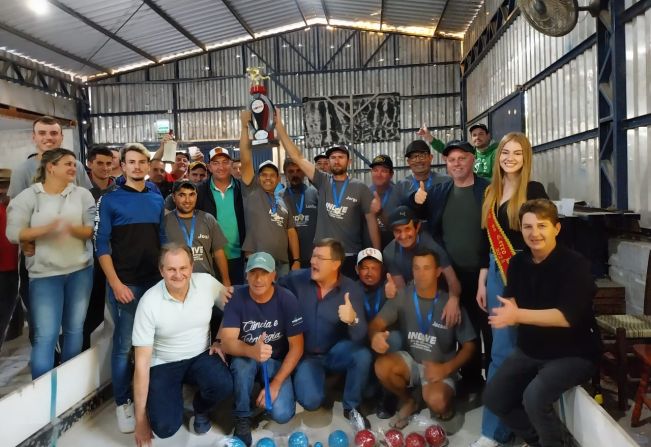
[
  {"x": 304, "y": 218},
  {"x": 398, "y": 259},
  {"x": 438, "y": 343},
  {"x": 343, "y": 222},
  {"x": 23, "y": 176},
  {"x": 208, "y": 238},
  {"x": 266, "y": 230},
  {"x": 461, "y": 224}
]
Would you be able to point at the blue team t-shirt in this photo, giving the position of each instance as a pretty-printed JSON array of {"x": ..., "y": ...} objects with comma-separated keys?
[{"x": 280, "y": 318}]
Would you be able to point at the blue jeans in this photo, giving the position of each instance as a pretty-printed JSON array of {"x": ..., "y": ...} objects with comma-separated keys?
[
  {"x": 524, "y": 390},
  {"x": 503, "y": 344},
  {"x": 345, "y": 356},
  {"x": 244, "y": 371},
  {"x": 57, "y": 301},
  {"x": 165, "y": 398},
  {"x": 123, "y": 315}
]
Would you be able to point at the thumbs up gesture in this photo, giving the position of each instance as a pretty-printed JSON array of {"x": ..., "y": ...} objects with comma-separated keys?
[
  {"x": 376, "y": 203},
  {"x": 261, "y": 350},
  {"x": 379, "y": 342},
  {"x": 421, "y": 194},
  {"x": 390, "y": 288},
  {"x": 346, "y": 312},
  {"x": 425, "y": 134}
]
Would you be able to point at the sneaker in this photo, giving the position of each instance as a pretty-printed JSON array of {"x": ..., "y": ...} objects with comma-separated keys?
[
  {"x": 386, "y": 407},
  {"x": 126, "y": 418},
  {"x": 243, "y": 430},
  {"x": 357, "y": 419},
  {"x": 484, "y": 441},
  {"x": 201, "y": 423}
]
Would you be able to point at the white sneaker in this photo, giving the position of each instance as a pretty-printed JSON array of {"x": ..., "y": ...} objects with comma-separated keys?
[
  {"x": 126, "y": 418},
  {"x": 483, "y": 441}
]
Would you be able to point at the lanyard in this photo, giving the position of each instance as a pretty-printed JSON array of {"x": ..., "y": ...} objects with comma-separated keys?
[
  {"x": 416, "y": 183},
  {"x": 299, "y": 205},
  {"x": 367, "y": 305},
  {"x": 337, "y": 198},
  {"x": 424, "y": 325},
  {"x": 273, "y": 205},
  {"x": 188, "y": 237},
  {"x": 402, "y": 250},
  {"x": 385, "y": 196}
]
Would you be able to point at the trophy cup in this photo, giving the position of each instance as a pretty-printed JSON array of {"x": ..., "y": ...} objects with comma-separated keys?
[{"x": 261, "y": 126}]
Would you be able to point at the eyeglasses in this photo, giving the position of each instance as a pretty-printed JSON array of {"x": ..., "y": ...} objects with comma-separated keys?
[
  {"x": 418, "y": 156},
  {"x": 321, "y": 258}
]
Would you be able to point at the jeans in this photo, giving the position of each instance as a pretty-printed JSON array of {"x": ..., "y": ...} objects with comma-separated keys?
[
  {"x": 345, "y": 356},
  {"x": 123, "y": 315},
  {"x": 523, "y": 391},
  {"x": 244, "y": 371},
  {"x": 55, "y": 302},
  {"x": 165, "y": 398},
  {"x": 503, "y": 344}
]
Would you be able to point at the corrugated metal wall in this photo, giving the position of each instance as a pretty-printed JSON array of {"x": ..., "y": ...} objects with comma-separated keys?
[
  {"x": 212, "y": 88},
  {"x": 638, "y": 104}
]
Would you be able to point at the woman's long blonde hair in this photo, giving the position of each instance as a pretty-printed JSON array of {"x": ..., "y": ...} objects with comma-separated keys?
[{"x": 495, "y": 190}]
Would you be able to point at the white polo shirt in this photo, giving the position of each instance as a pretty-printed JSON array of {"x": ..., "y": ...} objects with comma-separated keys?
[{"x": 177, "y": 330}]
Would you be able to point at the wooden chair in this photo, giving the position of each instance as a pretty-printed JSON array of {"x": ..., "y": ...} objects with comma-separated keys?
[
  {"x": 624, "y": 331},
  {"x": 643, "y": 352}
]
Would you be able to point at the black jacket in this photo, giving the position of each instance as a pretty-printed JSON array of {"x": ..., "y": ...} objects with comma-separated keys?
[{"x": 206, "y": 203}]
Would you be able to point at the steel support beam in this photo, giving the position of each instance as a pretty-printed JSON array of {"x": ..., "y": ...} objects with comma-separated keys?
[
  {"x": 68, "y": 10},
  {"x": 34, "y": 77},
  {"x": 165, "y": 16},
  {"x": 300, "y": 11},
  {"x": 338, "y": 50},
  {"x": 377, "y": 50},
  {"x": 381, "y": 14},
  {"x": 239, "y": 18},
  {"x": 438, "y": 23},
  {"x": 611, "y": 105},
  {"x": 325, "y": 11}
]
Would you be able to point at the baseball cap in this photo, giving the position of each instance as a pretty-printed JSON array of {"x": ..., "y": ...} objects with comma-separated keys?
[
  {"x": 382, "y": 160},
  {"x": 339, "y": 147},
  {"x": 261, "y": 260},
  {"x": 186, "y": 154},
  {"x": 218, "y": 151},
  {"x": 185, "y": 183},
  {"x": 401, "y": 216},
  {"x": 369, "y": 253},
  {"x": 417, "y": 146},
  {"x": 318, "y": 157},
  {"x": 195, "y": 164},
  {"x": 479, "y": 126},
  {"x": 458, "y": 144},
  {"x": 268, "y": 163},
  {"x": 5, "y": 174}
]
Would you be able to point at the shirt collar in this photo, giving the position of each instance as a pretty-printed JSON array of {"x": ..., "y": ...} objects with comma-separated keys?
[
  {"x": 214, "y": 188},
  {"x": 168, "y": 297}
]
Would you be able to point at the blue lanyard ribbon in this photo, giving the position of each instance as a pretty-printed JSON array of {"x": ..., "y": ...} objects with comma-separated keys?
[
  {"x": 299, "y": 205},
  {"x": 337, "y": 198},
  {"x": 424, "y": 325},
  {"x": 416, "y": 183},
  {"x": 273, "y": 205},
  {"x": 188, "y": 237},
  {"x": 367, "y": 305},
  {"x": 385, "y": 196}
]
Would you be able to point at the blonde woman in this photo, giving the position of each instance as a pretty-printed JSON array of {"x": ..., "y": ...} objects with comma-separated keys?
[
  {"x": 58, "y": 217},
  {"x": 510, "y": 187}
]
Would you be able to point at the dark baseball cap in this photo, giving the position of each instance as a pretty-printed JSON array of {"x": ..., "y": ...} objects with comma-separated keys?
[
  {"x": 479, "y": 126},
  {"x": 401, "y": 216},
  {"x": 382, "y": 160},
  {"x": 184, "y": 183},
  {"x": 458, "y": 144},
  {"x": 337, "y": 148},
  {"x": 417, "y": 146},
  {"x": 318, "y": 157}
]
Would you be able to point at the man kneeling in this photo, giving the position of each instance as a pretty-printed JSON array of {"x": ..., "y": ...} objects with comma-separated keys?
[
  {"x": 171, "y": 338},
  {"x": 549, "y": 295},
  {"x": 431, "y": 359},
  {"x": 263, "y": 330}
]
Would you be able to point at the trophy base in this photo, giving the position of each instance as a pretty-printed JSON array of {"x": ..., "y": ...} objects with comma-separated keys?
[{"x": 258, "y": 142}]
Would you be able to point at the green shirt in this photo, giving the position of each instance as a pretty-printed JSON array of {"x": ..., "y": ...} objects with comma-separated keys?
[
  {"x": 227, "y": 220},
  {"x": 461, "y": 224},
  {"x": 483, "y": 160}
]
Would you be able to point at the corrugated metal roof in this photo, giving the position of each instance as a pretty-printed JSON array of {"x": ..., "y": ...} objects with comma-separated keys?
[{"x": 122, "y": 33}]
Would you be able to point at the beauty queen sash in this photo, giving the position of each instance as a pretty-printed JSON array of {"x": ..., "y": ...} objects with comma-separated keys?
[{"x": 500, "y": 244}]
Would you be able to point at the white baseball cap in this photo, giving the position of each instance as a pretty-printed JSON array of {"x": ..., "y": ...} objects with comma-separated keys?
[
  {"x": 218, "y": 151},
  {"x": 369, "y": 253}
]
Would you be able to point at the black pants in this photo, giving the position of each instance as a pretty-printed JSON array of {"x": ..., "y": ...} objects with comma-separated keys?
[
  {"x": 95, "y": 313},
  {"x": 11, "y": 315},
  {"x": 23, "y": 291},
  {"x": 523, "y": 390},
  {"x": 471, "y": 372}
]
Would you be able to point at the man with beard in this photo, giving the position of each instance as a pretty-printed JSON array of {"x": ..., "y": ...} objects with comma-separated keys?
[
  {"x": 343, "y": 201},
  {"x": 302, "y": 200},
  {"x": 419, "y": 158}
]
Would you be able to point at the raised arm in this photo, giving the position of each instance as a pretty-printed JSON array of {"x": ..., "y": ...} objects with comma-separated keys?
[
  {"x": 248, "y": 173},
  {"x": 294, "y": 153}
]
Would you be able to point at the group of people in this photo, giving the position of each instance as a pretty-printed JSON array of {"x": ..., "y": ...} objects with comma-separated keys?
[{"x": 222, "y": 277}]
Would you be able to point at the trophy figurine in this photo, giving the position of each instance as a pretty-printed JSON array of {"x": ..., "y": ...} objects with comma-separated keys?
[{"x": 261, "y": 126}]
